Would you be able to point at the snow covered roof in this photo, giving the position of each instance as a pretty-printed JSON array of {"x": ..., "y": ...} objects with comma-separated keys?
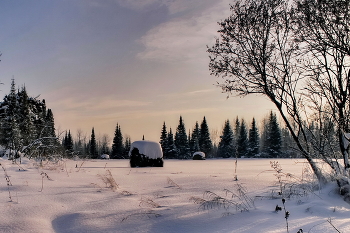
[{"x": 151, "y": 149}]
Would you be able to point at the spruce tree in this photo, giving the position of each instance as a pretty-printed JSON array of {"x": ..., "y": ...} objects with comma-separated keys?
[
  {"x": 93, "y": 145},
  {"x": 40, "y": 117},
  {"x": 236, "y": 134},
  {"x": 264, "y": 138},
  {"x": 288, "y": 146},
  {"x": 275, "y": 137},
  {"x": 10, "y": 125},
  {"x": 68, "y": 144},
  {"x": 25, "y": 118},
  {"x": 181, "y": 141},
  {"x": 117, "y": 146},
  {"x": 164, "y": 140},
  {"x": 194, "y": 141},
  {"x": 272, "y": 140},
  {"x": 49, "y": 130},
  {"x": 172, "y": 153},
  {"x": 242, "y": 142},
  {"x": 253, "y": 144},
  {"x": 205, "y": 143},
  {"x": 226, "y": 145},
  {"x": 127, "y": 145}
]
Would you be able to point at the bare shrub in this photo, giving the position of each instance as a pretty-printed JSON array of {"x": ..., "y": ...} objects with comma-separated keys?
[
  {"x": 239, "y": 200},
  {"x": 43, "y": 176},
  {"x": 291, "y": 186},
  {"x": 8, "y": 181},
  {"x": 173, "y": 183},
  {"x": 109, "y": 181}
]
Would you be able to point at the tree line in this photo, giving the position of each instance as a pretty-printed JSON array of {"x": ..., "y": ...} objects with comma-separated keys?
[
  {"x": 236, "y": 140},
  {"x": 27, "y": 126},
  {"x": 94, "y": 147}
]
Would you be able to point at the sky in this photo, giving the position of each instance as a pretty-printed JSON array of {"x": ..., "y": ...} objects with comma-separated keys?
[{"x": 136, "y": 63}]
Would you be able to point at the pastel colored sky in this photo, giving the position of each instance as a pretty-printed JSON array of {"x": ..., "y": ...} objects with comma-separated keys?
[{"x": 133, "y": 62}]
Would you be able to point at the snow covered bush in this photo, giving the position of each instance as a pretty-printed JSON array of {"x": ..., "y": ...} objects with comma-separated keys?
[
  {"x": 198, "y": 156},
  {"x": 146, "y": 153}
]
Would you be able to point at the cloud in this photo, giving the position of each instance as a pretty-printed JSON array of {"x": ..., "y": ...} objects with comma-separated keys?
[
  {"x": 184, "y": 38},
  {"x": 108, "y": 105},
  {"x": 140, "y": 4}
]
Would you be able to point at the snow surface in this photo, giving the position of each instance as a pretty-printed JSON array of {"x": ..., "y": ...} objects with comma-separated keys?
[
  {"x": 76, "y": 196},
  {"x": 151, "y": 149}
]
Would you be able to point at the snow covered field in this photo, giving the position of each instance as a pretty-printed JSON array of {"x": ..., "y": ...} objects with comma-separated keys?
[{"x": 81, "y": 196}]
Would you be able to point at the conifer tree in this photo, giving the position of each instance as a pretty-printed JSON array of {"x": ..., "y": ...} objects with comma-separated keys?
[
  {"x": 272, "y": 138},
  {"x": 40, "y": 117},
  {"x": 172, "y": 153},
  {"x": 164, "y": 140},
  {"x": 264, "y": 138},
  {"x": 275, "y": 137},
  {"x": 68, "y": 144},
  {"x": 25, "y": 118},
  {"x": 288, "y": 147},
  {"x": 242, "y": 142},
  {"x": 10, "y": 122},
  {"x": 194, "y": 141},
  {"x": 205, "y": 143},
  {"x": 253, "y": 144},
  {"x": 127, "y": 145},
  {"x": 93, "y": 145},
  {"x": 236, "y": 133},
  {"x": 226, "y": 145},
  {"x": 181, "y": 141},
  {"x": 49, "y": 130},
  {"x": 117, "y": 146}
]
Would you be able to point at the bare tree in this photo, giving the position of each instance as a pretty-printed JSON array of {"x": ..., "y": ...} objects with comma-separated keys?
[
  {"x": 80, "y": 142},
  {"x": 256, "y": 54},
  {"x": 105, "y": 141},
  {"x": 323, "y": 29}
]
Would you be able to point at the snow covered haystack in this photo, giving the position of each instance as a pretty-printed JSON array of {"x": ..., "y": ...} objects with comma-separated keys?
[
  {"x": 146, "y": 153},
  {"x": 198, "y": 155}
]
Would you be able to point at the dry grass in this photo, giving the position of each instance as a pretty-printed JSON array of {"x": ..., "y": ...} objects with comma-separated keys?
[
  {"x": 149, "y": 214},
  {"x": 172, "y": 183},
  {"x": 8, "y": 181},
  {"x": 43, "y": 176},
  {"x": 109, "y": 181},
  {"x": 148, "y": 203},
  {"x": 238, "y": 200}
]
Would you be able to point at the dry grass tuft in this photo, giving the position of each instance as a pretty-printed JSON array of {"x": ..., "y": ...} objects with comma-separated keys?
[
  {"x": 239, "y": 200},
  {"x": 8, "y": 181},
  {"x": 148, "y": 202},
  {"x": 149, "y": 214},
  {"x": 172, "y": 183},
  {"x": 109, "y": 181}
]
